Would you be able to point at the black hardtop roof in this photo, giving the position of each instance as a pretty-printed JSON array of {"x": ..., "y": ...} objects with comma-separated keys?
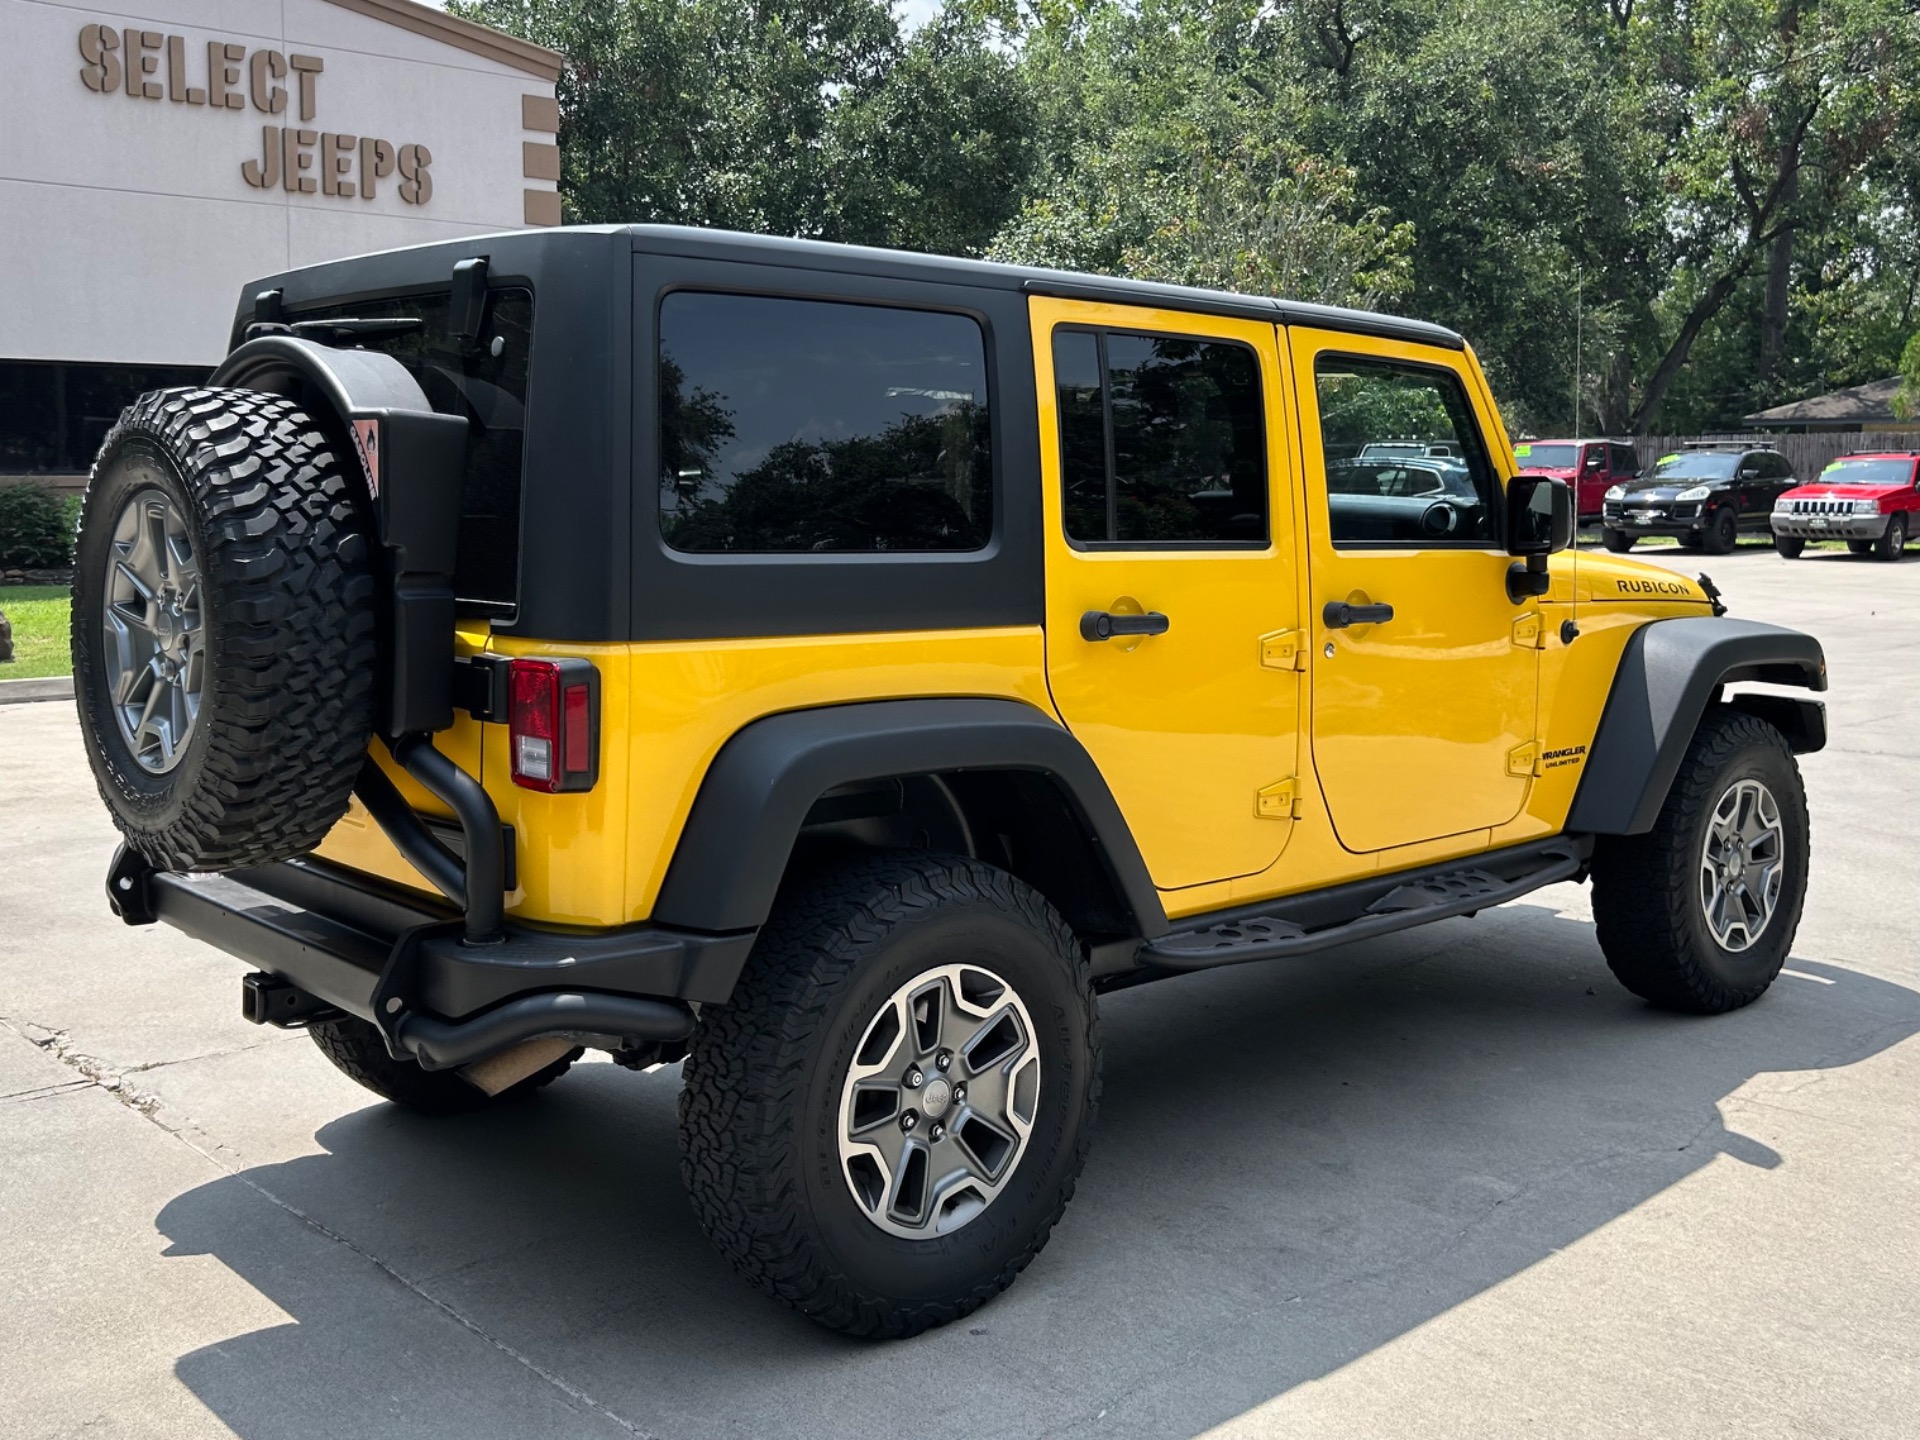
[
  {"x": 1065, "y": 284},
  {"x": 529, "y": 251}
]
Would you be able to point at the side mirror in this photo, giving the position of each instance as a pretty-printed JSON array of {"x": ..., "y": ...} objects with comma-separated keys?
[
  {"x": 1539, "y": 522},
  {"x": 1539, "y": 515}
]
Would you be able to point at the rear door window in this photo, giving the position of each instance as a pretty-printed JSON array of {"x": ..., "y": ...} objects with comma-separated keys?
[
  {"x": 1162, "y": 440},
  {"x": 792, "y": 426}
]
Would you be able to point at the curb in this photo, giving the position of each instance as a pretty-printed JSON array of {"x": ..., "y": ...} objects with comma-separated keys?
[{"x": 20, "y": 692}]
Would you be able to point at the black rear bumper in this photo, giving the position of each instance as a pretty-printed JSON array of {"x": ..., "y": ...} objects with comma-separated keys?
[{"x": 399, "y": 960}]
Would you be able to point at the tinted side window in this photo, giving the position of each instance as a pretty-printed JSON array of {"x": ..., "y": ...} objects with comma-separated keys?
[
  {"x": 1405, "y": 464},
  {"x": 1162, "y": 439},
  {"x": 1625, "y": 460},
  {"x": 795, "y": 426}
]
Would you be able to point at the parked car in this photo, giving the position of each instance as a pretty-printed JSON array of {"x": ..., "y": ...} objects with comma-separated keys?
[
  {"x": 834, "y": 668},
  {"x": 1591, "y": 467},
  {"x": 1706, "y": 495},
  {"x": 1870, "y": 501}
]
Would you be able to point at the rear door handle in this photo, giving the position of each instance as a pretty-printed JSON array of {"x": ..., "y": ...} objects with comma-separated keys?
[
  {"x": 1338, "y": 614},
  {"x": 1101, "y": 625}
]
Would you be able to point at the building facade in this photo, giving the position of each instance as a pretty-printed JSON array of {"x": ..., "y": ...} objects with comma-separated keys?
[{"x": 152, "y": 160}]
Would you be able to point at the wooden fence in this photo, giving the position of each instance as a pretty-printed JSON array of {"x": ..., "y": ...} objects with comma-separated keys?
[{"x": 1808, "y": 454}]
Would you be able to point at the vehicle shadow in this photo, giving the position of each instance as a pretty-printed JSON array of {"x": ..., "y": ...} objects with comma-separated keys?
[{"x": 1295, "y": 1164}]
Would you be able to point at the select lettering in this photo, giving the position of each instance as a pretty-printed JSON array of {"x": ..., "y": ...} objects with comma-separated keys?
[{"x": 151, "y": 65}]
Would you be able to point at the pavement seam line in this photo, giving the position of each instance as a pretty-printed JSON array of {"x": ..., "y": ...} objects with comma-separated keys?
[
  {"x": 95, "y": 1072},
  {"x": 46, "y": 1092},
  {"x": 573, "y": 1392}
]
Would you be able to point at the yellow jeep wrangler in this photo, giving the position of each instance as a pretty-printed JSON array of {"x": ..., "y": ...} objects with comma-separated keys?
[{"x": 836, "y": 668}]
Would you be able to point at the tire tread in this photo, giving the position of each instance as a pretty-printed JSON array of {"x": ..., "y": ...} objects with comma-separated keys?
[
  {"x": 287, "y": 565},
  {"x": 746, "y": 1072}
]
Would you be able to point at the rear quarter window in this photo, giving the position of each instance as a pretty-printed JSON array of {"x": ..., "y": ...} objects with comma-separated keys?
[{"x": 793, "y": 426}]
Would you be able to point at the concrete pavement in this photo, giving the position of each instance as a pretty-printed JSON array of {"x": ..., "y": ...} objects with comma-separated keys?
[{"x": 1452, "y": 1183}]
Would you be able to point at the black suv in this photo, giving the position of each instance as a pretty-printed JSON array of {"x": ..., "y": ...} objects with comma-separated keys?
[{"x": 1705, "y": 494}]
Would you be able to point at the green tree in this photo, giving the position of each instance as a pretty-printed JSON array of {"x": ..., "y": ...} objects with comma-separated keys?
[
  {"x": 1906, "y": 400},
  {"x": 1169, "y": 155},
  {"x": 793, "y": 117}
]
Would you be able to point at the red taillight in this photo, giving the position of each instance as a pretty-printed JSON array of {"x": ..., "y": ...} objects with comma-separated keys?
[{"x": 553, "y": 723}]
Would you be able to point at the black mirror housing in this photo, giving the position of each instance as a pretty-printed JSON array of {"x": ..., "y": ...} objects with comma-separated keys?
[{"x": 1539, "y": 515}]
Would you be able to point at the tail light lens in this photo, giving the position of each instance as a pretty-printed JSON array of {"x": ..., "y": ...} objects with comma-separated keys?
[{"x": 553, "y": 724}]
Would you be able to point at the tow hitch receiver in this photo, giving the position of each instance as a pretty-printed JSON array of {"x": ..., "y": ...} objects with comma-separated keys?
[{"x": 268, "y": 1000}]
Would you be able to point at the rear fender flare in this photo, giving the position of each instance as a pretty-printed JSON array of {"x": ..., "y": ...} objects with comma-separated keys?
[
  {"x": 756, "y": 795},
  {"x": 1669, "y": 673}
]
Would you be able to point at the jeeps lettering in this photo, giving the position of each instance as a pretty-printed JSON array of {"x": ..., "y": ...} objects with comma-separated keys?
[{"x": 1652, "y": 587}]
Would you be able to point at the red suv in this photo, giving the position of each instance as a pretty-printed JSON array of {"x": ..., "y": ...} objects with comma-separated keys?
[
  {"x": 1589, "y": 466},
  {"x": 1870, "y": 501}
]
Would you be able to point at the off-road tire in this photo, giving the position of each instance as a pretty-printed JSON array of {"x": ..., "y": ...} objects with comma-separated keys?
[
  {"x": 759, "y": 1112},
  {"x": 357, "y": 1051},
  {"x": 1893, "y": 540},
  {"x": 1722, "y": 532},
  {"x": 1646, "y": 906},
  {"x": 286, "y": 601},
  {"x": 1618, "y": 541},
  {"x": 1788, "y": 547}
]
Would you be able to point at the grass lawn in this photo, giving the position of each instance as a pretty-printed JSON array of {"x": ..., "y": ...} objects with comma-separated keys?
[{"x": 39, "y": 616}]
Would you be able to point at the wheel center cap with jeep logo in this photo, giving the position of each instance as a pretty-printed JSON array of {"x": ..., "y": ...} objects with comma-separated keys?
[{"x": 935, "y": 1098}]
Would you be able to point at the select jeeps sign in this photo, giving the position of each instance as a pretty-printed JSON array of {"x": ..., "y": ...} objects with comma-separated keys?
[{"x": 223, "y": 76}]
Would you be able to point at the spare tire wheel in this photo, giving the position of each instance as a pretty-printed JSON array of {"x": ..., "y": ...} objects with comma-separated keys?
[{"x": 224, "y": 629}]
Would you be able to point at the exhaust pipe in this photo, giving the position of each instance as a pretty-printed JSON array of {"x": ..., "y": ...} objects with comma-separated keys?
[{"x": 449, "y": 1044}]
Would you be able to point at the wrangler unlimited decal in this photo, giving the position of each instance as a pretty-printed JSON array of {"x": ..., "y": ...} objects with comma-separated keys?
[{"x": 1569, "y": 755}]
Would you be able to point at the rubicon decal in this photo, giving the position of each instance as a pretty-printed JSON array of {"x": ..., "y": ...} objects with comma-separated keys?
[{"x": 1652, "y": 587}]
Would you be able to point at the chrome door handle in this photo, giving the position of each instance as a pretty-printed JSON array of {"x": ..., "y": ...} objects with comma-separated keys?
[
  {"x": 1338, "y": 614},
  {"x": 1101, "y": 625}
]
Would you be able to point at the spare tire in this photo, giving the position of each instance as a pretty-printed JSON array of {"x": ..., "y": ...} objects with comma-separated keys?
[{"x": 224, "y": 628}]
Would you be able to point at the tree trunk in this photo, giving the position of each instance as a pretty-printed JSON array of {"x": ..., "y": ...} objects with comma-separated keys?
[
  {"x": 1773, "y": 319},
  {"x": 1671, "y": 363}
]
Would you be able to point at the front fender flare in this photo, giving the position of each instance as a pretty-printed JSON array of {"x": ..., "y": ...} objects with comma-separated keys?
[
  {"x": 740, "y": 833},
  {"x": 1669, "y": 672}
]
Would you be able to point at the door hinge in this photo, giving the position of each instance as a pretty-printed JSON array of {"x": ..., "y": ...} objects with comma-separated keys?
[
  {"x": 1279, "y": 801},
  {"x": 1529, "y": 633},
  {"x": 1284, "y": 650},
  {"x": 1524, "y": 759}
]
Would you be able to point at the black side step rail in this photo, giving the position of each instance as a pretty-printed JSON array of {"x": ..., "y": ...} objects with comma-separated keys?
[{"x": 1381, "y": 905}]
